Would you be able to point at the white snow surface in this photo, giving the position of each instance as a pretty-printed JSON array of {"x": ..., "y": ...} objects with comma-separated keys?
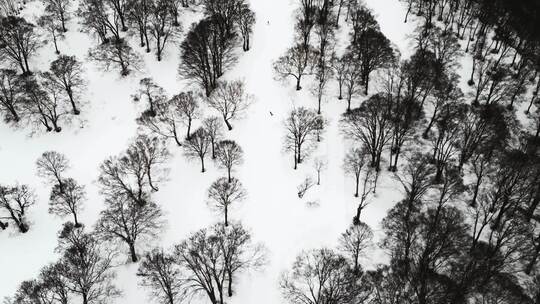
[{"x": 272, "y": 210}]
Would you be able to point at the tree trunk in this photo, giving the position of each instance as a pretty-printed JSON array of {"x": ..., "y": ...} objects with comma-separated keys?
[
  {"x": 75, "y": 219},
  {"x": 357, "y": 184},
  {"x": 230, "y": 290},
  {"x": 202, "y": 164},
  {"x": 72, "y": 101},
  {"x": 226, "y": 213},
  {"x": 132, "y": 252},
  {"x": 229, "y": 126}
]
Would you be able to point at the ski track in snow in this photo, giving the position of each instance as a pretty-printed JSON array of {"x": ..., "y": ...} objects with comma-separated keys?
[{"x": 272, "y": 210}]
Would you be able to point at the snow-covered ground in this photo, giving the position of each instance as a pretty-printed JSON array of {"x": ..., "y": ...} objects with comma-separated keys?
[{"x": 273, "y": 212}]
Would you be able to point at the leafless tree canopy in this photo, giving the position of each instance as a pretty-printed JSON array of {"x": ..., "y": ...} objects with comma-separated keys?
[{"x": 225, "y": 192}]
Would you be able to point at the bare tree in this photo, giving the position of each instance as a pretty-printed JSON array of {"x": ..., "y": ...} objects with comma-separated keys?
[
  {"x": 14, "y": 203},
  {"x": 117, "y": 54},
  {"x": 66, "y": 73},
  {"x": 370, "y": 125},
  {"x": 54, "y": 282},
  {"x": 206, "y": 53},
  {"x": 297, "y": 62},
  {"x": 153, "y": 154},
  {"x": 51, "y": 166},
  {"x": 321, "y": 276},
  {"x": 228, "y": 155},
  {"x": 352, "y": 78},
  {"x": 124, "y": 176},
  {"x": 355, "y": 241},
  {"x": 152, "y": 93},
  {"x": 245, "y": 20},
  {"x": 87, "y": 266},
  {"x": 162, "y": 24},
  {"x": 138, "y": 12},
  {"x": 239, "y": 251},
  {"x": 306, "y": 184},
  {"x": 224, "y": 192},
  {"x": 159, "y": 272},
  {"x": 18, "y": 42},
  {"x": 323, "y": 75},
  {"x": 211, "y": 257},
  {"x": 44, "y": 105},
  {"x": 127, "y": 221},
  {"x": 319, "y": 165},
  {"x": 166, "y": 120},
  {"x": 230, "y": 100},
  {"x": 355, "y": 163},
  {"x": 11, "y": 95},
  {"x": 302, "y": 130},
  {"x": 53, "y": 28},
  {"x": 187, "y": 105},
  {"x": 59, "y": 9},
  {"x": 197, "y": 146},
  {"x": 212, "y": 125},
  {"x": 340, "y": 66},
  {"x": 67, "y": 199}
]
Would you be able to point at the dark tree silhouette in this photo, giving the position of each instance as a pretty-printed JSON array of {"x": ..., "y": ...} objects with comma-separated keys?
[
  {"x": 354, "y": 243},
  {"x": 198, "y": 146},
  {"x": 245, "y": 20},
  {"x": 297, "y": 62},
  {"x": 224, "y": 192},
  {"x": 67, "y": 199},
  {"x": 160, "y": 273},
  {"x": 229, "y": 155},
  {"x": 53, "y": 28},
  {"x": 322, "y": 276},
  {"x": 59, "y": 9},
  {"x": 116, "y": 54},
  {"x": 152, "y": 93},
  {"x": 18, "y": 42},
  {"x": 86, "y": 266},
  {"x": 302, "y": 126},
  {"x": 14, "y": 203},
  {"x": 212, "y": 125},
  {"x": 51, "y": 166},
  {"x": 206, "y": 53},
  {"x": 369, "y": 124},
  {"x": 11, "y": 95},
  {"x": 187, "y": 104},
  {"x": 125, "y": 220},
  {"x": 230, "y": 100},
  {"x": 66, "y": 73}
]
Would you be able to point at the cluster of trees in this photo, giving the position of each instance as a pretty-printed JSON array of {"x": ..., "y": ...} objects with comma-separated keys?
[
  {"x": 14, "y": 203},
  {"x": 204, "y": 264},
  {"x": 44, "y": 99},
  {"x": 499, "y": 35},
  {"x": 126, "y": 181},
  {"x": 209, "y": 47},
  {"x": 83, "y": 272},
  {"x": 332, "y": 276},
  {"x": 155, "y": 22},
  {"x": 67, "y": 196},
  {"x": 467, "y": 228},
  {"x": 164, "y": 117},
  {"x": 313, "y": 52}
]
